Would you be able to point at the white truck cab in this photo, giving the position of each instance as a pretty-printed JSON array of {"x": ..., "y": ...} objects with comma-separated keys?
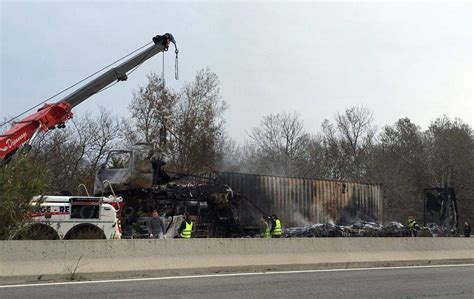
[{"x": 73, "y": 217}]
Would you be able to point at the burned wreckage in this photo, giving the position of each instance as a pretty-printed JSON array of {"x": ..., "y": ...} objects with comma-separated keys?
[
  {"x": 440, "y": 219},
  {"x": 139, "y": 177},
  {"x": 441, "y": 210},
  {"x": 229, "y": 204}
]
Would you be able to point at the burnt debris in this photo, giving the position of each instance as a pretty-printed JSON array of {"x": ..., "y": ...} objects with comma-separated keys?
[{"x": 364, "y": 229}]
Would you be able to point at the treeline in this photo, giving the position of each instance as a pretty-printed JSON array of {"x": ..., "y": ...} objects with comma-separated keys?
[{"x": 187, "y": 129}]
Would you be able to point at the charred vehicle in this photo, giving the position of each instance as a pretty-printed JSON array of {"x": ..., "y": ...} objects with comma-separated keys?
[
  {"x": 441, "y": 211},
  {"x": 137, "y": 176}
]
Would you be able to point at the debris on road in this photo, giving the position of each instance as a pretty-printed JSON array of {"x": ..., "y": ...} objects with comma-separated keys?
[{"x": 363, "y": 229}]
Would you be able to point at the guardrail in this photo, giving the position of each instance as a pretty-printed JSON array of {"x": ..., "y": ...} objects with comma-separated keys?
[{"x": 20, "y": 260}]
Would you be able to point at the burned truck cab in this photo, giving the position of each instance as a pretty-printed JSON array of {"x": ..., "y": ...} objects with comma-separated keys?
[{"x": 126, "y": 170}]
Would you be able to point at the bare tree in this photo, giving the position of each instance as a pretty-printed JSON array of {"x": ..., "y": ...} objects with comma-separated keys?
[
  {"x": 199, "y": 123},
  {"x": 184, "y": 126},
  {"x": 334, "y": 161},
  {"x": 97, "y": 136},
  {"x": 348, "y": 143},
  {"x": 73, "y": 154},
  {"x": 152, "y": 109},
  {"x": 281, "y": 143},
  {"x": 357, "y": 130},
  {"x": 313, "y": 159},
  {"x": 397, "y": 163}
]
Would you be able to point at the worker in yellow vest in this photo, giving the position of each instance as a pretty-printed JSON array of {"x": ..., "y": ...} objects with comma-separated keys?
[
  {"x": 186, "y": 227},
  {"x": 276, "y": 227},
  {"x": 413, "y": 226},
  {"x": 264, "y": 228}
]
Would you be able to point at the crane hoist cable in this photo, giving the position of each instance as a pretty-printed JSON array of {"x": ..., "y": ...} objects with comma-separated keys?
[
  {"x": 176, "y": 73},
  {"x": 176, "y": 70}
]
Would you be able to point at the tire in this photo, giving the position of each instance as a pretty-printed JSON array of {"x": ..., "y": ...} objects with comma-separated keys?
[
  {"x": 85, "y": 232},
  {"x": 37, "y": 231}
]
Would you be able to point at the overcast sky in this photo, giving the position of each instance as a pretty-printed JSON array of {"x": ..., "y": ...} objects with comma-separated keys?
[{"x": 399, "y": 59}]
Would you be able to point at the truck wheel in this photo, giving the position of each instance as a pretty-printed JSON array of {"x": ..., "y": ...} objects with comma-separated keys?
[
  {"x": 37, "y": 231},
  {"x": 85, "y": 232}
]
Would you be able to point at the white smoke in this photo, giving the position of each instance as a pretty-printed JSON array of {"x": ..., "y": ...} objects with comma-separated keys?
[{"x": 300, "y": 220}]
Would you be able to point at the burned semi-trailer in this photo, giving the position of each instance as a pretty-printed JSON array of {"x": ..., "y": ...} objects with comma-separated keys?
[{"x": 299, "y": 201}]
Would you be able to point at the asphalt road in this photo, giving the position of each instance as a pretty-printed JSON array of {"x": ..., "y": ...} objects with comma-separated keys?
[{"x": 445, "y": 281}]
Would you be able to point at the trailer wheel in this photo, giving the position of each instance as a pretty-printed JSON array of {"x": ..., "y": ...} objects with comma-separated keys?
[
  {"x": 37, "y": 231},
  {"x": 84, "y": 232}
]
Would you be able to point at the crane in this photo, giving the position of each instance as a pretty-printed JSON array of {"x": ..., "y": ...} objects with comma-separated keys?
[{"x": 55, "y": 115}]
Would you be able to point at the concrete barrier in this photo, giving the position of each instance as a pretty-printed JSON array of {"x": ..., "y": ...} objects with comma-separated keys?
[{"x": 20, "y": 260}]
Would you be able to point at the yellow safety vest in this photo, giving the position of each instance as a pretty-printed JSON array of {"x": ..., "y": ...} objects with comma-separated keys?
[
  {"x": 412, "y": 225},
  {"x": 267, "y": 231},
  {"x": 186, "y": 233},
  {"x": 277, "y": 229}
]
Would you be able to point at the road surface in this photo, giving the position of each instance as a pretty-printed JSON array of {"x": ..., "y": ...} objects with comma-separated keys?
[{"x": 431, "y": 281}]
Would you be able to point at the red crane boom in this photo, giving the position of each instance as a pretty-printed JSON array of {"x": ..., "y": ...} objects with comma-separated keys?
[{"x": 55, "y": 115}]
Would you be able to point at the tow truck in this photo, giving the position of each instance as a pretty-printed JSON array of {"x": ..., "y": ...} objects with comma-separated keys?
[
  {"x": 56, "y": 217},
  {"x": 74, "y": 217},
  {"x": 141, "y": 181}
]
